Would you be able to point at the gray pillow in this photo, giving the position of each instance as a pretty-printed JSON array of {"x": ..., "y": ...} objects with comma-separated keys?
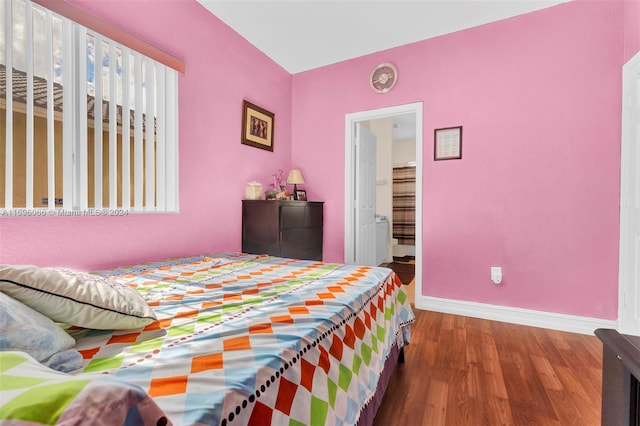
[{"x": 24, "y": 329}]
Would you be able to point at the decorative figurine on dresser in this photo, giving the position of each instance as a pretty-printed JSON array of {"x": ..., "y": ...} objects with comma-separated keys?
[{"x": 283, "y": 228}]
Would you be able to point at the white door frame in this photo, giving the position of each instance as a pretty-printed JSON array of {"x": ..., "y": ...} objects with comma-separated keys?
[
  {"x": 349, "y": 226},
  {"x": 628, "y": 294}
]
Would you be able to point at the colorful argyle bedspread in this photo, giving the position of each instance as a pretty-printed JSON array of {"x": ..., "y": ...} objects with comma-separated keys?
[
  {"x": 244, "y": 339},
  {"x": 33, "y": 394}
]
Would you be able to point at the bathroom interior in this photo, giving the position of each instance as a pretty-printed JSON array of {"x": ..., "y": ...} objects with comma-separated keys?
[{"x": 395, "y": 187}]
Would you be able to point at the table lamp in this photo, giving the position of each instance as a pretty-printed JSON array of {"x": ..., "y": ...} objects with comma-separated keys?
[{"x": 295, "y": 178}]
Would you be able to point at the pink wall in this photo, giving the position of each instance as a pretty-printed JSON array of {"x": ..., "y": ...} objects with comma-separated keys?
[
  {"x": 537, "y": 189},
  {"x": 221, "y": 69},
  {"x": 631, "y": 28}
]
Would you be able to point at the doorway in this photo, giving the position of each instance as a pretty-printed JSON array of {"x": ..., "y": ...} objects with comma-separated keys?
[
  {"x": 353, "y": 184},
  {"x": 629, "y": 272}
]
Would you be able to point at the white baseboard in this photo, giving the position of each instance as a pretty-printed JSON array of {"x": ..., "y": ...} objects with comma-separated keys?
[{"x": 563, "y": 322}]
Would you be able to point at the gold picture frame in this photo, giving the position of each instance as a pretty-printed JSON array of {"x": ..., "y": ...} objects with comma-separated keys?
[{"x": 257, "y": 126}]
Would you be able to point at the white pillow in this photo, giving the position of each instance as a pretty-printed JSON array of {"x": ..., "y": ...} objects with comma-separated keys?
[
  {"x": 23, "y": 329},
  {"x": 76, "y": 298}
]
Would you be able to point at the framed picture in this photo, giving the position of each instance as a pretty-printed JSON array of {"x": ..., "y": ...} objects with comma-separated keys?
[
  {"x": 257, "y": 126},
  {"x": 301, "y": 195},
  {"x": 447, "y": 144}
]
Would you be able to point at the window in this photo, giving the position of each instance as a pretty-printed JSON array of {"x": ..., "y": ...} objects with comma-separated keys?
[{"x": 85, "y": 122}]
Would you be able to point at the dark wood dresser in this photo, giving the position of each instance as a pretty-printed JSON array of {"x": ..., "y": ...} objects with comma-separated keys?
[{"x": 290, "y": 229}]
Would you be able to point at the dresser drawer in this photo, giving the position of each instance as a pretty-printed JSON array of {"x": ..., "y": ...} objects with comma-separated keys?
[
  {"x": 290, "y": 229},
  {"x": 300, "y": 216}
]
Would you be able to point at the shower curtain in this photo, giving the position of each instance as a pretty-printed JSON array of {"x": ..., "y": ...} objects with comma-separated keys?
[{"x": 404, "y": 205}]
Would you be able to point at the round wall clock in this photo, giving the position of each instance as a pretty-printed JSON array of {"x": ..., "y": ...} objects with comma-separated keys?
[{"x": 383, "y": 78}]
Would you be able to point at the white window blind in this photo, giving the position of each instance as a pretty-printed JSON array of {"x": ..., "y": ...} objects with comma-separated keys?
[{"x": 85, "y": 123}]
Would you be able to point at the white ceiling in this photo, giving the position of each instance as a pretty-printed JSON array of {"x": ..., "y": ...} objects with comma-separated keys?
[{"x": 304, "y": 34}]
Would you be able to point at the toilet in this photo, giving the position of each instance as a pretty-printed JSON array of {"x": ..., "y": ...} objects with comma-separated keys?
[{"x": 382, "y": 238}]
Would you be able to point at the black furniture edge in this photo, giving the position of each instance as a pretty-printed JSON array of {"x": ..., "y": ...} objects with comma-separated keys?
[
  {"x": 625, "y": 351},
  {"x": 620, "y": 375}
]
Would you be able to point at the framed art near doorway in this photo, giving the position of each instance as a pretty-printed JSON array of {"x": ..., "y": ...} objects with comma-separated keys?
[{"x": 447, "y": 143}]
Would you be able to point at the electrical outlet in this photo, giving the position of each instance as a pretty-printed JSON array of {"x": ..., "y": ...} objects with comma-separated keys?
[{"x": 496, "y": 274}]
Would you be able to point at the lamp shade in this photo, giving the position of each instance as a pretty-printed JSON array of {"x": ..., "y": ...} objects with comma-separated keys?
[{"x": 295, "y": 178}]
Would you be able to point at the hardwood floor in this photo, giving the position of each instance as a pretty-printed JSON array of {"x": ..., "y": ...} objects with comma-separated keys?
[{"x": 468, "y": 371}]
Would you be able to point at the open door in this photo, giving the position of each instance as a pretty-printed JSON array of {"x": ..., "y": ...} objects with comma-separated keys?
[
  {"x": 350, "y": 190},
  {"x": 629, "y": 280},
  {"x": 365, "y": 196}
]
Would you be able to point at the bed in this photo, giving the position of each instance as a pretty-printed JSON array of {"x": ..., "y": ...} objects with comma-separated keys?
[{"x": 222, "y": 339}]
